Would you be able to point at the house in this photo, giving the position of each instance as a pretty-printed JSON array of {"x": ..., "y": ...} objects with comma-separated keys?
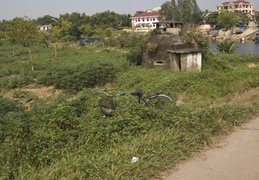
[
  {"x": 44, "y": 27},
  {"x": 172, "y": 27},
  {"x": 145, "y": 21},
  {"x": 237, "y": 6}
]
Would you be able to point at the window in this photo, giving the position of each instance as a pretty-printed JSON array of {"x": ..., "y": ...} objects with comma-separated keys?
[{"x": 158, "y": 62}]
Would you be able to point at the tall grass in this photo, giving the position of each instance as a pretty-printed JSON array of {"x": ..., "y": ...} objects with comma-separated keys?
[{"x": 68, "y": 138}]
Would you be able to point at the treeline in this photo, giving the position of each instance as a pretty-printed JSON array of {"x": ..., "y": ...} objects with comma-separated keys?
[
  {"x": 103, "y": 20},
  {"x": 187, "y": 11},
  {"x": 104, "y": 28}
]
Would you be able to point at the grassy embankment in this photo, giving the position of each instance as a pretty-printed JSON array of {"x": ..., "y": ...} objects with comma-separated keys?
[{"x": 59, "y": 133}]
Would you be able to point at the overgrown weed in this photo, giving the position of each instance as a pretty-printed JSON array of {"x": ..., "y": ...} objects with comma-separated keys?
[{"x": 68, "y": 138}]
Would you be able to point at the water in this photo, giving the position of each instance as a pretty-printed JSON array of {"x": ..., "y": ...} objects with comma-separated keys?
[{"x": 247, "y": 47}]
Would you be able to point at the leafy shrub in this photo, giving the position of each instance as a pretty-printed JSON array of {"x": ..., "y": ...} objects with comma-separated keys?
[
  {"x": 215, "y": 62},
  {"x": 8, "y": 105},
  {"x": 197, "y": 39},
  {"x": 227, "y": 46},
  {"x": 23, "y": 95},
  {"x": 15, "y": 82},
  {"x": 134, "y": 55},
  {"x": 69, "y": 139},
  {"x": 77, "y": 77}
]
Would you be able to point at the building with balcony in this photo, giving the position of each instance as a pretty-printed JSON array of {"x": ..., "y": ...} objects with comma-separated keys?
[
  {"x": 237, "y": 6},
  {"x": 145, "y": 21}
]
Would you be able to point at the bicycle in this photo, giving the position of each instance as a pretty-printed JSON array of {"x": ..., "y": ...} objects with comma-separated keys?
[{"x": 156, "y": 100}]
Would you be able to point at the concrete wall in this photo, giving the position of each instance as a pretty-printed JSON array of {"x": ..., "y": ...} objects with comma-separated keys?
[
  {"x": 171, "y": 52},
  {"x": 187, "y": 62},
  {"x": 194, "y": 61}
]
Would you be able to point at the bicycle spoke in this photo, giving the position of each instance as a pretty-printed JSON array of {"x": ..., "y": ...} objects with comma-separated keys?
[{"x": 162, "y": 103}]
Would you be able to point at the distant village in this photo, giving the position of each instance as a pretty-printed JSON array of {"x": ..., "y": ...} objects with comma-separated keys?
[{"x": 148, "y": 19}]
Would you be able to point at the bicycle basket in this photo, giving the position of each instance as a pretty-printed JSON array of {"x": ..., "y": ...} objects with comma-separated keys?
[{"x": 107, "y": 106}]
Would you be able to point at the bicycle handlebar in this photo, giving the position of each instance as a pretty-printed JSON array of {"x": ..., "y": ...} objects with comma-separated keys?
[{"x": 115, "y": 95}]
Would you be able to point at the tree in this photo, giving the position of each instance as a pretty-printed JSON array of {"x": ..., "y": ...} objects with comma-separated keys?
[
  {"x": 76, "y": 19},
  {"x": 3, "y": 25},
  {"x": 46, "y": 20},
  {"x": 86, "y": 30},
  {"x": 181, "y": 10},
  {"x": 2, "y": 36},
  {"x": 169, "y": 11},
  {"x": 243, "y": 19},
  {"x": 125, "y": 20},
  {"x": 23, "y": 31},
  {"x": 189, "y": 11},
  {"x": 44, "y": 37},
  {"x": 106, "y": 19},
  {"x": 257, "y": 17},
  {"x": 138, "y": 12},
  {"x": 60, "y": 33},
  {"x": 99, "y": 33},
  {"x": 227, "y": 19},
  {"x": 212, "y": 18}
]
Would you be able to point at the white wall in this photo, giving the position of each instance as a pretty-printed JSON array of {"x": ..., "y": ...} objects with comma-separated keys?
[{"x": 148, "y": 21}]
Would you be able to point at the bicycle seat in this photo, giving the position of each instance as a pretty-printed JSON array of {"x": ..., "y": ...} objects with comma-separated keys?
[{"x": 137, "y": 93}]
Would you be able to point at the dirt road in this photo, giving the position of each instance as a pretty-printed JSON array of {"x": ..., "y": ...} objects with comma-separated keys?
[{"x": 236, "y": 157}]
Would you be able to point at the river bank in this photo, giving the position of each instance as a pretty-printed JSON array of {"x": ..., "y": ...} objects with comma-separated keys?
[
  {"x": 236, "y": 34},
  {"x": 243, "y": 47}
]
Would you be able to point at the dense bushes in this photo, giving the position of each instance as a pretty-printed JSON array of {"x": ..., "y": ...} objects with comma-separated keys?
[
  {"x": 53, "y": 135},
  {"x": 7, "y": 105},
  {"x": 68, "y": 138},
  {"x": 134, "y": 55},
  {"x": 77, "y": 77}
]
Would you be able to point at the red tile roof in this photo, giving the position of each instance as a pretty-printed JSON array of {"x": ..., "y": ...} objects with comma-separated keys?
[
  {"x": 148, "y": 14},
  {"x": 235, "y": 2}
]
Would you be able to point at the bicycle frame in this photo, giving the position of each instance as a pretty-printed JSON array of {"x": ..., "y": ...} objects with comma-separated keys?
[{"x": 139, "y": 94}]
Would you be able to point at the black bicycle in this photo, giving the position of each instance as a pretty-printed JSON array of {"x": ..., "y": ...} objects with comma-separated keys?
[{"x": 156, "y": 100}]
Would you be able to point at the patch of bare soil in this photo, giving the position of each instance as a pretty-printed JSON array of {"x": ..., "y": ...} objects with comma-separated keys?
[
  {"x": 41, "y": 91},
  {"x": 252, "y": 65},
  {"x": 248, "y": 97},
  {"x": 38, "y": 90}
]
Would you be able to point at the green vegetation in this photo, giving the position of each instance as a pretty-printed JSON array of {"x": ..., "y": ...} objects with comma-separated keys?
[
  {"x": 181, "y": 10},
  {"x": 227, "y": 46},
  {"x": 212, "y": 18},
  {"x": 257, "y": 16},
  {"x": 65, "y": 136},
  {"x": 103, "y": 20},
  {"x": 227, "y": 19}
]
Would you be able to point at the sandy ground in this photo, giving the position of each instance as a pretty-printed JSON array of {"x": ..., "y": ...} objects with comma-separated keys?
[{"x": 235, "y": 157}]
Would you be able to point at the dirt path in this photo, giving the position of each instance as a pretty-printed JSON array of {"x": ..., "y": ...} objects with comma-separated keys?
[{"x": 236, "y": 157}]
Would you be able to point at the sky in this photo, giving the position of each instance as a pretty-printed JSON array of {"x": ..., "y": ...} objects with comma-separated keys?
[{"x": 10, "y": 9}]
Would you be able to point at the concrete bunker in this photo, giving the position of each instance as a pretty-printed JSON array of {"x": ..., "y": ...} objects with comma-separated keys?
[{"x": 168, "y": 49}]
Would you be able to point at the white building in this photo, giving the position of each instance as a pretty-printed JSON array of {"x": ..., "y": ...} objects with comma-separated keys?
[
  {"x": 237, "y": 6},
  {"x": 145, "y": 21},
  {"x": 44, "y": 27}
]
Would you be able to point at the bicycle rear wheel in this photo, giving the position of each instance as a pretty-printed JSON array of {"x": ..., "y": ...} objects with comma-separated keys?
[
  {"x": 107, "y": 106},
  {"x": 160, "y": 102}
]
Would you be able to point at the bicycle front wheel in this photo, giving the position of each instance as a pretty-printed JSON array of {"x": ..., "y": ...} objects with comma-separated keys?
[{"x": 160, "y": 102}]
